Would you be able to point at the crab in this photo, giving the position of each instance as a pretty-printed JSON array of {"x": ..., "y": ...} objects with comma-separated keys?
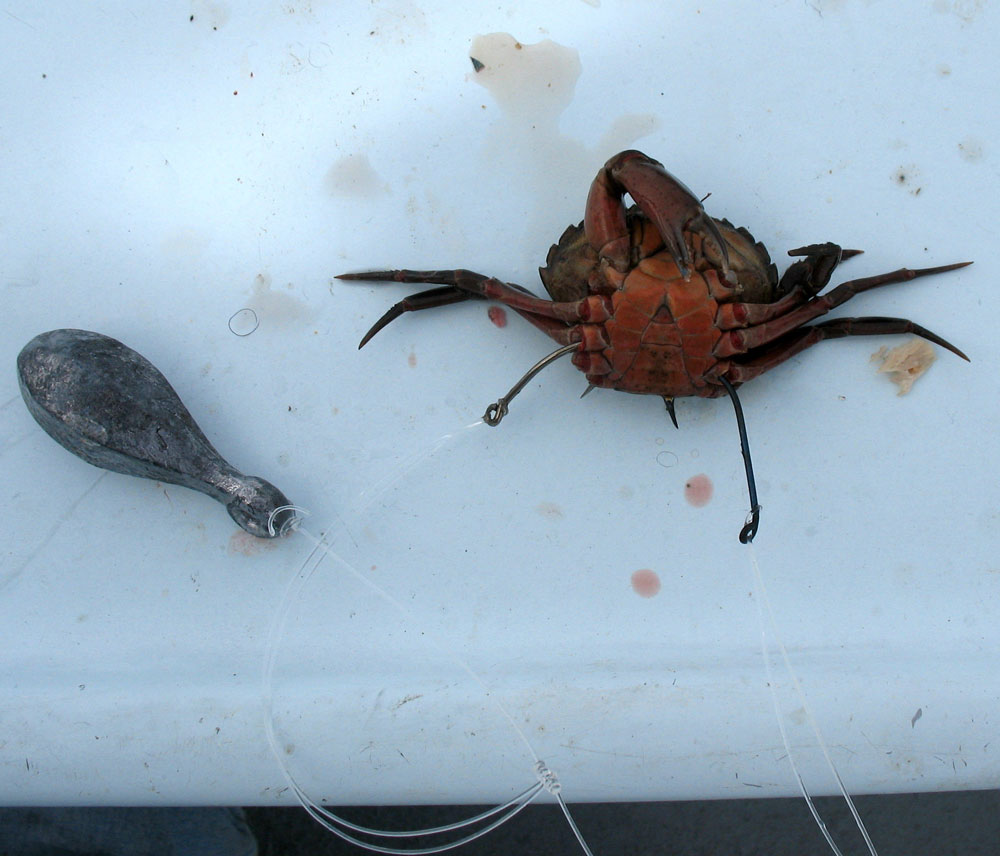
[{"x": 661, "y": 299}]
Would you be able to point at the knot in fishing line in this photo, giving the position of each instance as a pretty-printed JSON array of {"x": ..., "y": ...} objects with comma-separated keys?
[{"x": 548, "y": 779}]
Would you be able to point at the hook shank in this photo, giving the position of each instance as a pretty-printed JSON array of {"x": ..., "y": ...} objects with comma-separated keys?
[
  {"x": 496, "y": 411},
  {"x": 749, "y": 530}
]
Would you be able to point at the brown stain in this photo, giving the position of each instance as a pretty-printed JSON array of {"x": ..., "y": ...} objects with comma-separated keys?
[
  {"x": 549, "y": 510},
  {"x": 244, "y": 544}
]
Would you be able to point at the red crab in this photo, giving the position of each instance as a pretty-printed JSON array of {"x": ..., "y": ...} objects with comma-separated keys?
[{"x": 662, "y": 299}]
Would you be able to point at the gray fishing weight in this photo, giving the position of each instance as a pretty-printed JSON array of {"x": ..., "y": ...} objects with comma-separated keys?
[{"x": 112, "y": 407}]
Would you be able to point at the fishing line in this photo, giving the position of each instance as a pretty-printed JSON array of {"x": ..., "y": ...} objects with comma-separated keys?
[
  {"x": 321, "y": 550},
  {"x": 764, "y": 602}
]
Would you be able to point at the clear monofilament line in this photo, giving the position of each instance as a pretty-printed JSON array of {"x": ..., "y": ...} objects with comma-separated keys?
[
  {"x": 764, "y": 603},
  {"x": 333, "y": 823},
  {"x": 322, "y": 548},
  {"x": 784, "y": 736},
  {"x": 521, "y": 800},
  {"x": 372, "y": 493},
  {"x": 343, "y": 564}
]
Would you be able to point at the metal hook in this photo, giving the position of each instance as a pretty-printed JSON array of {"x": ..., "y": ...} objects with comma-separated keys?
[
  {"x": 749, "y": 530},
  {"x": 496, "y": 411}
]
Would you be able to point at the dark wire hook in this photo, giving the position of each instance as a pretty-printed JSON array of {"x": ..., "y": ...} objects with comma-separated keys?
[{"x": 749, "y": 530}]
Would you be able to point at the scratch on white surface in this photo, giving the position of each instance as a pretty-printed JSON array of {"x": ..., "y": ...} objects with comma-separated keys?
[
  {"x": 10, "y": 14},
  {"x": 60, "y": 521},
  {"x": 575, "y": 748},
  {"x": 405, "y": 699}
]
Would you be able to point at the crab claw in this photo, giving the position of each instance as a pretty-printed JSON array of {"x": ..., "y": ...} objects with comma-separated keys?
[{"x": 671, "y": 207}]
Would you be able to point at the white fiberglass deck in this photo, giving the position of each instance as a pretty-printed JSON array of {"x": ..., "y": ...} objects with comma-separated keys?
[{"x": 166, "y": 168}]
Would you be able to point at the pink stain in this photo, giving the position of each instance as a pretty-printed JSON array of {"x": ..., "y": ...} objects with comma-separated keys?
[
  {"x": 411, "y": 360},
  {"x": 645, "y": 583},
  {"x": 244, "y": 544},
  {"x": 698, "y": 490},
  {"x": 498, "y": 315}
]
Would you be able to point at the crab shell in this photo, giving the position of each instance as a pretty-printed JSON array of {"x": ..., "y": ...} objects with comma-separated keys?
[{"x": 663, "y": 327}]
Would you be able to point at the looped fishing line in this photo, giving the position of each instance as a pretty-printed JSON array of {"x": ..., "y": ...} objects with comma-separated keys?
[
  {"x": 289, "y": 525},
  {"x": 763, "y": 602},
  {"x": 546, "y": 778},
  {"x": 322, "y": 549}
]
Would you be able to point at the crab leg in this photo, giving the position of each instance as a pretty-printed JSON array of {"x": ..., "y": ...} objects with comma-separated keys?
[
  {"x": 549, "y": 316},
  {"x": 429, "y": 299},
  {"x": 766, "y": 358},
  {"x": 735, "y": 315},
  {"x": 802, "y": 281},
  {"x": 740, "y": 341},
  {"x": 661, "y": 197}
]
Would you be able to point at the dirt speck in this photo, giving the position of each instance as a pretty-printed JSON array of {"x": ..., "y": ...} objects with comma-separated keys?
[
  {"x": 411, "y": 360},
  {"x": 908, "y": 178},
  {"x": 906, "y": 363},
  {"x": 208, "y": 14},
  {"x": 971, "y": 150},
  {"x": 549, "y": 510}
]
